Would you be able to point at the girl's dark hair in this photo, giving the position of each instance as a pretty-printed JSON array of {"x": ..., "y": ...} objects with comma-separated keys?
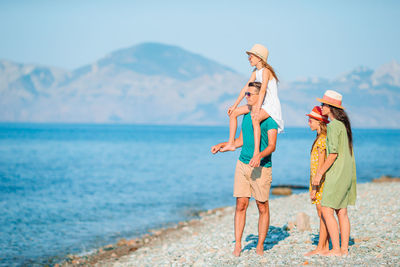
[
  {"x": 256, "y": 85},
  {"x": 341, "y": 115}
]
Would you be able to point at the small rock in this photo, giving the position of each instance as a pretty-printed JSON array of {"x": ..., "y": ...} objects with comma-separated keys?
[
  {"x": 122, "y": 242},
  {"x": 114, "y": 255},
  {"x": 303, "y": 222},
  {"x": 282, "y": 191},
  {"x": 386, "y": 178}
]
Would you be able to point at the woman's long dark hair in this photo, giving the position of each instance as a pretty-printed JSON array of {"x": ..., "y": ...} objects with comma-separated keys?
[{"x": 341, "y": 115}]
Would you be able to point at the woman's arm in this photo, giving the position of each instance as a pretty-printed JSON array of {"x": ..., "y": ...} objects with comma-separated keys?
[{"x": 321, "y": 171}]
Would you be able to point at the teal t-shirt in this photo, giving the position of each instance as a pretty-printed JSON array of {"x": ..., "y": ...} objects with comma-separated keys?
[{"x": 248, "y": 139}]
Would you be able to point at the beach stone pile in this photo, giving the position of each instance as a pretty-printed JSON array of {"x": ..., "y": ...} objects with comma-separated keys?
[{"x": 209, "y": 241}]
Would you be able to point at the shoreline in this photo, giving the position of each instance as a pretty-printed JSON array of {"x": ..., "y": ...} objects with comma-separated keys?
[{"x": 128, "y": 252}]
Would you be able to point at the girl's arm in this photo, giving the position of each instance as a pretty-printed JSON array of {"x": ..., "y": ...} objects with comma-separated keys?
[
  {"x": 321, "y": 159},
  {"x": 321, "y": 171},
  {"x": 241, "y": 94},
  {"x": 266, "y": 76}
]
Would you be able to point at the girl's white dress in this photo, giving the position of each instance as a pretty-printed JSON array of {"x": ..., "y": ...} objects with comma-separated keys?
[{"x": 271, "y": 103}]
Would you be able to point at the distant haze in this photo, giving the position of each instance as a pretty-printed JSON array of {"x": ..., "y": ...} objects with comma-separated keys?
[{"x": 154, "y": 83}]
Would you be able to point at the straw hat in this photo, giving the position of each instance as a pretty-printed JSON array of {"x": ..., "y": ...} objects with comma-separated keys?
[
  {"x": 332, "y": 98},
  {"x": 316, "y": 113},
  {"x": 259, "y": 51}
]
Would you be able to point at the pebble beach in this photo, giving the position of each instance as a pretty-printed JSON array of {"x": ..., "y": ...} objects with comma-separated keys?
[{"x": 209, "y": 241}]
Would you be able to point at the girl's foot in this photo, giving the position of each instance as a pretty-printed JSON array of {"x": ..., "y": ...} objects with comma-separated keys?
[
  {"x": 332, "y": 253},
  {"x": 228, "y": 147},
  {"x": 312, "y": 252},
  {"x": 237, "y": 250},
  {"x": 260, "y": 250},
  {"x": 345, "y": 252}
]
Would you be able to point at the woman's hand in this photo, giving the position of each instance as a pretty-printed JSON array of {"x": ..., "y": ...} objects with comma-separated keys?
[
  {"x": 230, "y": 110},
  {"x": 317, "y": 179}
]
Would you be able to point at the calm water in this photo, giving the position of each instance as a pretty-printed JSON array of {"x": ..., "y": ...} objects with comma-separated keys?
[{"x": 71, "y": 188}]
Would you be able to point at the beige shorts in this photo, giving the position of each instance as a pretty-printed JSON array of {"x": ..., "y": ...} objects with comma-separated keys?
[{"x": 251, "y": 181}]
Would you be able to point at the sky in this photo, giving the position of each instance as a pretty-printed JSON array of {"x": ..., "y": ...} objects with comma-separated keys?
[{"x": 305, "y": 38}]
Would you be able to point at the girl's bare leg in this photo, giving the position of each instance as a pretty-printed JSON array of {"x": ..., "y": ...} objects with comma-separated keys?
[
  {"x": 323, "y": 242},
  {"x": 333, "y": 231},
  {"x": 263, "y": 115},
  {"x": 230, "y": 146},
  {"x": 344, "y": 224}
]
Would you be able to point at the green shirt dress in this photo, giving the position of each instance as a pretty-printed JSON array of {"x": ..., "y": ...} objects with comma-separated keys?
[{"x": 340, "y": 180}]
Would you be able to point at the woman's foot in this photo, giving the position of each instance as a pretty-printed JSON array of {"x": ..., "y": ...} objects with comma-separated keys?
[
  {"x": 345, "y": 252},
  {"x": 332, "y": 252},
  {"x": 237, "y": 250},
  {"x": 228, "y": 147}
]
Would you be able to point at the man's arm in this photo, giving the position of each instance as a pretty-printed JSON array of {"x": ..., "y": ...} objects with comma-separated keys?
[
  {"x": 238, "y": 143},
  {"x": 272, "y": 134}
]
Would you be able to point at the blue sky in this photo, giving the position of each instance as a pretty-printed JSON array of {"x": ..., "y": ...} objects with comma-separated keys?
[{"x": 305, "y": 38}]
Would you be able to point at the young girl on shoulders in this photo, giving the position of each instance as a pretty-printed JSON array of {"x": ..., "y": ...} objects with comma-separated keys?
[
  {"x": 268, "y": 104},
  {"x": 318, "y": 122}
]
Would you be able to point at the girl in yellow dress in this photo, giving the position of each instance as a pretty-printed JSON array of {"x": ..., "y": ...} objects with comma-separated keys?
[{"x": 317, "y": 122}]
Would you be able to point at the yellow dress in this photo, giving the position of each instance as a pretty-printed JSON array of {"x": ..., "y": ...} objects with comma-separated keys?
[{"x": 321, "y": 145}]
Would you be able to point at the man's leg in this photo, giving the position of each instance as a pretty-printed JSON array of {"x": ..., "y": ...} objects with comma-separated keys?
[
  {"x": 263, "y": 225},
  {"x": 240, "y": 220}
]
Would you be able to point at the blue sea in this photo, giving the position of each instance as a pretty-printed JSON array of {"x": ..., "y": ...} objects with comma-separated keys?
[{"x": 68, "y": 188}]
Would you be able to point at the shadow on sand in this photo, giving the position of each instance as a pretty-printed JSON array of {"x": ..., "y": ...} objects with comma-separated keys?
[
  {"x": 315, "y": 238},
  {"x": 275, "y": 234}
]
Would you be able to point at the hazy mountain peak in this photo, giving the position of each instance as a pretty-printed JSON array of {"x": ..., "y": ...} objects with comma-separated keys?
[
  {"x": 388, "y": 73},
  {"x": 161, "y": 60}
]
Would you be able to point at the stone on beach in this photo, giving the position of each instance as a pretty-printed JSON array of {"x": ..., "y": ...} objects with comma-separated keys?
[
  {"x": 303, "y": 222},
  {"x": 282, "y": 191},
  {"x": 385, "y": 179}
]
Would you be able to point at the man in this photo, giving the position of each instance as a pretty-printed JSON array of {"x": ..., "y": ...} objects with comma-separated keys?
[{"x": 253, "y": 175}]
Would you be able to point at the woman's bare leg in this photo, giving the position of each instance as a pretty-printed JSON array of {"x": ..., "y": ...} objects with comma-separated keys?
[
  {"x": 230, "y": 146},
  {"x": 344, "y": 224},
  {"x": 333, "y": 231},
  {"x": 263, "y": 115}
]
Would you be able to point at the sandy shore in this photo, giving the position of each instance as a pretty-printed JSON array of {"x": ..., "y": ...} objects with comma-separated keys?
[{"x": 375, "y": 236}]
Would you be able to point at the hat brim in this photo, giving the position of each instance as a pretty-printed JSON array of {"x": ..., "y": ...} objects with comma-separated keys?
[
  {"x": 256, "y": 54},
  {"x": 328, "y": 103},
  {"x": 319, "y": 119}
]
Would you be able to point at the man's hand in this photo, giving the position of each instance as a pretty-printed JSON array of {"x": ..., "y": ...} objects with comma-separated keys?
[
  {"x": 255, "y": 161},
  {"x": 230, "y": 110},
  {"x": 215, "y": 149}
]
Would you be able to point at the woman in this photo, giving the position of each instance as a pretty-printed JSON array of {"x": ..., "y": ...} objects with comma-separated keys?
[{"x": 340, "y": 173}]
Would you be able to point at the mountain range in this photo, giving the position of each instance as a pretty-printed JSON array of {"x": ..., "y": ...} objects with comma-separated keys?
[{"x": 153, "y": 83}]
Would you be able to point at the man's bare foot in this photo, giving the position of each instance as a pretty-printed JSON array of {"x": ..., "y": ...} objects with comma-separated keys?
[
  {"x": 331, "y": 253},
  {"x": 260, "y": 250},
  {"x": 228, "y": 147},
  {"x": 237, "y": 250}
]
